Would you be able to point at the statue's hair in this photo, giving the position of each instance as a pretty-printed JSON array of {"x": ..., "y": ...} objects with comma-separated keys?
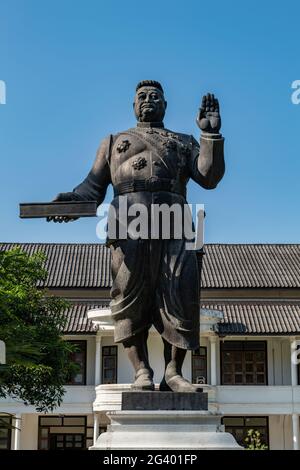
[{"x": 149, "y": 83}]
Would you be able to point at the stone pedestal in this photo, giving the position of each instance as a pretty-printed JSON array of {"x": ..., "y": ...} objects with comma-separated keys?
[
  {"x": 164, "y": 401},
  {"x": 149, "y": 420}
]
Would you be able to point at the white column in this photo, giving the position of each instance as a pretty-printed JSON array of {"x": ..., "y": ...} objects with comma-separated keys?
[
  {"x": 213, "y": 360},
  {"x": 295, "y": 421},
  {"x": 294, "y": 365},
  {"x": 98, "y": 360},
  {"x": 96, "y": 427},
  {"x": 294, "y": 381},
  {"x": 17, "y": 432}
]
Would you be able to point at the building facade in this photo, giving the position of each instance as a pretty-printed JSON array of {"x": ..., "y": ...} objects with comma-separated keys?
[{"x": 250, "y": 325}]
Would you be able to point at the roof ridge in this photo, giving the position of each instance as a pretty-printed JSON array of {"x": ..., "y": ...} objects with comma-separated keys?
[
  {"x": 51, "y": 243},
  {"x": 103, "y": 244}
]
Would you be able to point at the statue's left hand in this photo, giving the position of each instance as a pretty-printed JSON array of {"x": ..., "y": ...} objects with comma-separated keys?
[
  {"x": 209, "y": 119},
  {"x": 63, "y": 197}
]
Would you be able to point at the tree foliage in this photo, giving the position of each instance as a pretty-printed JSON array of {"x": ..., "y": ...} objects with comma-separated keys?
[
  {"x": 31, "y": 324},
  {"x": 253, "y": 441}
]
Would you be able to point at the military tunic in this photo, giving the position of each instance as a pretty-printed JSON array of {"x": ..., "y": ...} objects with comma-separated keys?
[{"x": 155, "y": 280}]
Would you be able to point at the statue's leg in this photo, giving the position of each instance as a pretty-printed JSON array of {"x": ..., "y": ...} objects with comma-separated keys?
[
  {"x": 173, "y": 380},
  {"x": 137, "y": 351},
  {"x": 163, "y": 386}
]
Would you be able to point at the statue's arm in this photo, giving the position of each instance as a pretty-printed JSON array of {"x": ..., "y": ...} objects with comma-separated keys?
[
  {"x": 207, "y": 165},
  {"x": 207, "y": 162},
  {"x": 94, "y": 186}
]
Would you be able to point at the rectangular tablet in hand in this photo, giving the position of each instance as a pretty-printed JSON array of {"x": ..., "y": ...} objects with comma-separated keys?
[{"x": 60, "y": 208}]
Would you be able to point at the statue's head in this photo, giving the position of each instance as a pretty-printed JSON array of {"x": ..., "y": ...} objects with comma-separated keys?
[{"x": 149, "y": 102}]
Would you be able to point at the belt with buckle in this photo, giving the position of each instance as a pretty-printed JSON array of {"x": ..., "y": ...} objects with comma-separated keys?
[{"x": 151, "y": 184}]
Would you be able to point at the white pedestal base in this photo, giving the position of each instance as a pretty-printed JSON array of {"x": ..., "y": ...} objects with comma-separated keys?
[{"x": 182, "y": 430}]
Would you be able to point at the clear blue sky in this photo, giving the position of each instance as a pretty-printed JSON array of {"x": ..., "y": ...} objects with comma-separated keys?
[{"x": 71, "y": 67}]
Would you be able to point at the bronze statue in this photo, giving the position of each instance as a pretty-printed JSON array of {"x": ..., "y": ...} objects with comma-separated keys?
[{"x": 155, "y": 281}]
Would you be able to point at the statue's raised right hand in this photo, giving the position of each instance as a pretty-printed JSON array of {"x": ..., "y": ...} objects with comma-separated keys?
[
  {"x": 63, "y": 197},
  {"x": 209, "y": 119}
]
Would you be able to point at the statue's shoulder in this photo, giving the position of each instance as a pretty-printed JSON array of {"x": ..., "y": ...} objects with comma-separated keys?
[
  {"x": 121, "y": 134},
  {"x": 126, "y": 131},
  {"x": 185, "y": 137},
  {"x": 111, "y": 139}
]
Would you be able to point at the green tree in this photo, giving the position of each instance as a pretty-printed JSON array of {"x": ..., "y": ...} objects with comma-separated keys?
[
  {"x": 253, "y": 441},
  {"x": 31, "y": 324}
]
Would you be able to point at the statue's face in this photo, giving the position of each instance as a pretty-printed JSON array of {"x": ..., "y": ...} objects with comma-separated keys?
[{"x": 149, "y": 104}]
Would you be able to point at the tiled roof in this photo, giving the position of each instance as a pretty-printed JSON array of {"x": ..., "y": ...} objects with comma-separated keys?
[
  {"x": 247, "y": 318},
  {"x": 72, "y": 265},
  {"x": 258, "y": 317},
  {"x": 251, "y": 266},
  {"x": 77, "y": 320},
  {"x": 225, "y": 265}
]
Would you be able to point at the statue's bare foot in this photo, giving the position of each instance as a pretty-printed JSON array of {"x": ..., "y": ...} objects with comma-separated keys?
[
  {"x": 177, "y": 383},
  {"x": 143, "y": 380}
]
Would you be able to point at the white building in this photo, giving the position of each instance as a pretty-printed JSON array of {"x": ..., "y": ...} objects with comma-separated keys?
[{"x": 250, "y": 318}]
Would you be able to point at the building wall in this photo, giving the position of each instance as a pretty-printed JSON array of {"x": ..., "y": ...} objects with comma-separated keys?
[
  {"x": 156, "y": 358},
  {"x": 279, "y": 361},
  {"x": 30, "y": 429},
  {"x": 234, "y": 400},
  {"x": 286, "y": 361},
  {"x": 29, "y": 432},
  {"x": 287, "y": 433},
  {"x": 280, "y": 432},
  {"x": 90, "y": 355},
  {"x": 278, "y": 355}
]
